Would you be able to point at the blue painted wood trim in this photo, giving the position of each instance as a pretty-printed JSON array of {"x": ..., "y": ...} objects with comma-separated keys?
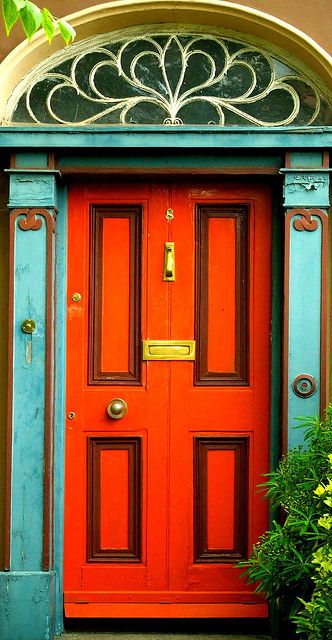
[
  {"x": 304, "y": 323},
  {"x": 28, "y": 401},
  {"x": 33, "y": 159},
  {"x": 306, "y": 198},
  {"x": 164, "y": 137},
  {"x": 34, "y": 188},
  {"x": 156, "y": 159},
  {"x": 306, "y": 187},
  {"x": 27, "y": 605}
]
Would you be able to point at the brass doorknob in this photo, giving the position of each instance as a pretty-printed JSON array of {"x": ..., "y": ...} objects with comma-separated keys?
[{"x": 117, "y": 408}]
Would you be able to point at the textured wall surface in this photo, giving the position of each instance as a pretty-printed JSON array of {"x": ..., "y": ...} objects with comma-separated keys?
[{"x": 315, "y": 19}]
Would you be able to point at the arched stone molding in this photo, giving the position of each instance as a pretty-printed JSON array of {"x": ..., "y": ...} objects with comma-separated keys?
[{"x": 230, "y": 17}]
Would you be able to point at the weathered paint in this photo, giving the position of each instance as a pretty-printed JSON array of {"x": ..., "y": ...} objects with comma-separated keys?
[
  {"x": 304, "y": 324},
  {"x": 305, "y": 286},
  {"x": 27, "y": 606},
  {"x": 33, "y": 187},
  {"x": 28, "y": 402},
  {"x": 306, "y": 188},
  {"x": 165, "y": 137},
  {"x": 19, "y": 621}
]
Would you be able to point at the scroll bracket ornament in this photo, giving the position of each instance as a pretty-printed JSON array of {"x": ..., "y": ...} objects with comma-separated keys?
[
  {"x": 306, "y": 222},
  {"x": 30, "y": 222}
]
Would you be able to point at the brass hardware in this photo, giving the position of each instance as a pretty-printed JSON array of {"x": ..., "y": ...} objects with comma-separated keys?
[
  {"x": 76, "y": 297},
  {"x": 169, "y": 214},
  {"x": 117, "y": 408},
  {"x": 169, "y": 349},
  {"x": 28, "y": 326},
  {"x": 169, "y": 262},
  {"x": 71, "y": 415}
]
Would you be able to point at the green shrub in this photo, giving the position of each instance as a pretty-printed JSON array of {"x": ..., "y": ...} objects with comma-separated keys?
[
  {"x": 315, "y": 620},
  {"x": 292, "y": 562}
]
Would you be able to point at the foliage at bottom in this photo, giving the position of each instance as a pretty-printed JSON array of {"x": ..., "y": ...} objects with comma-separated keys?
[{"x": 292, "y": 563}]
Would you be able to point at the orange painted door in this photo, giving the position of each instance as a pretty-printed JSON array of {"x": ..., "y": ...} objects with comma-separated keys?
[{"x": 162, "y": 503}]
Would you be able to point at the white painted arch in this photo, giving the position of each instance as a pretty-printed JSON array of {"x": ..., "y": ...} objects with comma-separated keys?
[{"x": 258, "y": 26}]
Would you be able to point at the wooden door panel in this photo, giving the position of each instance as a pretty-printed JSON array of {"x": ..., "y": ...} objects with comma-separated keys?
[
  {"x": 114, "y": 488},
  {"x": 220, "y": 523},
  {"x": 222, "y": 284},
  {"x": 164, "y": 500},
  {"x": 115, "y": 294}
]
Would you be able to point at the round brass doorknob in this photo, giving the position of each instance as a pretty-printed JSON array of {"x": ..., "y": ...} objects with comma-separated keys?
[{"x": 117, "y": 408}]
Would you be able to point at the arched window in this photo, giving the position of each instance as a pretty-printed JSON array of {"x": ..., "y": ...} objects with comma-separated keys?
[{"x": 168, "y": 76}]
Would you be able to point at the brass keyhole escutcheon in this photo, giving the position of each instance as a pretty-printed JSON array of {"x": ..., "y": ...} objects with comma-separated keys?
[
  {"x": 117, "y": 408},
  {"x": 28, "y": 326},
  {"x": 71, "y": 415},
  {"x": 76, "y": 297}
]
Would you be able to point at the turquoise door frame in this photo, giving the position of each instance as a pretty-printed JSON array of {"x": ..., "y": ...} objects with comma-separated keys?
[{"x": 31, "y": 586}]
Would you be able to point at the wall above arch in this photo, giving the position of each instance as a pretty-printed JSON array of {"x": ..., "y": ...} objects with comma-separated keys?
[{"x": 236, "y": 18}]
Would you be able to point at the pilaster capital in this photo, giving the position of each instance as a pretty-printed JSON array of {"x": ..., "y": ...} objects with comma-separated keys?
[
  {"x": 306, "y": 201},
  {"x": 33, "y": 188},
  {"x": 306, "y": 188}
]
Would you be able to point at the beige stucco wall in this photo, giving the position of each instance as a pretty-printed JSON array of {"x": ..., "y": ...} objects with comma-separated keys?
[{"x": 314, "y": 18}]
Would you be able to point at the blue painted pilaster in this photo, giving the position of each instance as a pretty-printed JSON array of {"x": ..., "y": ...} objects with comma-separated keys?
[
  {"x": 306, "y": 200},
  {"x": 29, "y": 589}
]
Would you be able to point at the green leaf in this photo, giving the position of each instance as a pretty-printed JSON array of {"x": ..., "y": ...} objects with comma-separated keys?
[
  {"x": 10, "y": 14},
  {"x": 19, "y": 4},
  {"x": 66, "y": 30},
  {"x": 31, "y": 18},
  {"x": 48, "y": 24}
]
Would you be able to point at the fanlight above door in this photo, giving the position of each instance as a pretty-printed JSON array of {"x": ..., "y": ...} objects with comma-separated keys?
[{"x": 167, "y": 77}]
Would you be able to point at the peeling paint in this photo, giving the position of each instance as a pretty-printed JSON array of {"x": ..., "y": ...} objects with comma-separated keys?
[{"x": 28, "y": 351}]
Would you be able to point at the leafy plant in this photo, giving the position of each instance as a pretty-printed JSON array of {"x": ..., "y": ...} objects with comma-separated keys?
[
  {"x": 315, "y": 620},
  {"x": 32, "y": 18},
  {"x": 292, "y": 562}
]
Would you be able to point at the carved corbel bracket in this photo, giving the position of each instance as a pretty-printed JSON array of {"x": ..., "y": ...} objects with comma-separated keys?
[
  {"x": 307, "y": 222},
  {"x": 30, "y": 222}
]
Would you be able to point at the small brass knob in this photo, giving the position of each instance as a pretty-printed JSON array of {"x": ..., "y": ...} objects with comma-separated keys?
[
  {"x": 28, "y": 326},
  {"x": 117, "y": 408}
]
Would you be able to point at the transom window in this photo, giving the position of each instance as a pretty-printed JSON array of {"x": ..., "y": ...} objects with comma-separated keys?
[{"x": 167, "y": 77}]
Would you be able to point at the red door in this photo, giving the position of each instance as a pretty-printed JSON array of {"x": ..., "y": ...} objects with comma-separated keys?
[{"x": 162, "y": 502}]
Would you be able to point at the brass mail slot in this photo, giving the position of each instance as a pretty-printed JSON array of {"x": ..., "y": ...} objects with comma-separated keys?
[{"x": 169, "y": 349}]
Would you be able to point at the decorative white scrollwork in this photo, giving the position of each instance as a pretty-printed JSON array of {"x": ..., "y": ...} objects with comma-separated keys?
[{"x": 169, "y": 78}]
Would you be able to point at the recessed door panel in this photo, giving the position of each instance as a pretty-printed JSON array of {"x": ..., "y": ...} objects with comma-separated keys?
[{"x": 163, "y": 497}]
